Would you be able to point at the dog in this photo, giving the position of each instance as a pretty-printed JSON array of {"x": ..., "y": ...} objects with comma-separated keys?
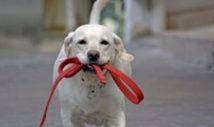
[{"x": 81, "y": 98}]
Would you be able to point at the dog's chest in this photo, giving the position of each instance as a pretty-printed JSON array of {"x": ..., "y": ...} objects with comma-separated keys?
[
  {"x": 105, "y": 100},
  {"x": 93, "y": 110},
  {"x": 88, "y": 103}
]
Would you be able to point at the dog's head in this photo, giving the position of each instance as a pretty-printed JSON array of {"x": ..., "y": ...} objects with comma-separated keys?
[{"x": 95, "y": 44}]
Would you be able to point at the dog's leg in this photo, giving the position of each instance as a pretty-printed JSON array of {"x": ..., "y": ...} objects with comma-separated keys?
[
  {"x": 118, "y": 121},
  {"x": 69, "y": 121}
]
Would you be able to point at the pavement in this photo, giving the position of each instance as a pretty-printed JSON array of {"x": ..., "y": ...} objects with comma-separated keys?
[
  {"x": 192, "y": 45},
  {"x": 199, "y": 33},
  {"x": 177, "y": 93}
]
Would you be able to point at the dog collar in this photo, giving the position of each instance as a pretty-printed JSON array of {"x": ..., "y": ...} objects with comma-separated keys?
[{"x": 135, "y": 96}]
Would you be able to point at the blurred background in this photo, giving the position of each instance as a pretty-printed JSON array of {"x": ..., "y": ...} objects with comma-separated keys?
[{"x": 172, "y": 41}]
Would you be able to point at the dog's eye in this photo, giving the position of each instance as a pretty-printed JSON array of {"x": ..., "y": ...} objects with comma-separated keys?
[
  {"x": 82, "y": 42},
  {"x": 104, "y": 42}
]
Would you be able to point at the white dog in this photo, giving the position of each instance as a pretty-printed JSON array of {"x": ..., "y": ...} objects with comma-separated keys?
[{"x": 81, "y": 98}]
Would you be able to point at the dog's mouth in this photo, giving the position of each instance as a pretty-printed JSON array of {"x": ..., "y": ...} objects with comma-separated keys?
[{"x": 89, "y": 68}]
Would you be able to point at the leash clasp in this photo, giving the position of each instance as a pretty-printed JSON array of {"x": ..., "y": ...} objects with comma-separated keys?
[{"x": 93, "y": 93}]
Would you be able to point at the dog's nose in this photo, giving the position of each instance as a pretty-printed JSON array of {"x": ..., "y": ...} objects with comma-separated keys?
[{"x": 93, "y": 55}]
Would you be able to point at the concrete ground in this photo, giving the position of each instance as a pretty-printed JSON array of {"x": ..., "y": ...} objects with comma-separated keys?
[{"x": 177, "y": 94}]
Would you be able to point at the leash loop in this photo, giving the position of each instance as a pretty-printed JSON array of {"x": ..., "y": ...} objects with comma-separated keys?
[
  {"x": 75, "y": 67},
  {"x": 135, "y": 96}
]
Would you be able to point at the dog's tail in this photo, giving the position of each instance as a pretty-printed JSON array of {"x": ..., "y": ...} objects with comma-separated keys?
[{"x": 96, "y": 11}]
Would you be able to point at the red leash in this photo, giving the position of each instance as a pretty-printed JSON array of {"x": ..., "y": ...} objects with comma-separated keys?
[{"x": 135, "y": 96}]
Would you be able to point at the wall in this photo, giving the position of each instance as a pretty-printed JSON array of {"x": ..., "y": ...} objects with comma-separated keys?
[
  {"x": 21, "y": 17},
  {"x": 182, "y": 14}
]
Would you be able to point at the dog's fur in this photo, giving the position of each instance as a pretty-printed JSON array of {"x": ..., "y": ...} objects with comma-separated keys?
[{"x": 107, "y": 108}]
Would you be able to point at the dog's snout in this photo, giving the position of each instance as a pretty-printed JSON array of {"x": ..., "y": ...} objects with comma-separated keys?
[{"x": 93, "y": 55}]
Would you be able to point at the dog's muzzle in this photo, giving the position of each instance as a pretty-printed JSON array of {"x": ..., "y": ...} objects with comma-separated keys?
[{"x": 93, "y": 56}]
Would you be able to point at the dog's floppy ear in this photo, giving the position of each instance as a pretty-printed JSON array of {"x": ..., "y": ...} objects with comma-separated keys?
[
  {"x": 68, "y": 43},
  {"x": 122, "y": 54}
]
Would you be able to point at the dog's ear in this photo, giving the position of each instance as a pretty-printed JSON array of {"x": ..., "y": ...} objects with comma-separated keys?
[
  {"x": 67, "y": 44},
  {"x": 119, "y": 46}
]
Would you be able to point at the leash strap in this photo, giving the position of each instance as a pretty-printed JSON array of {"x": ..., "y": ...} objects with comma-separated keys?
[
  {"x": 100, "y": 74},
  {"x": 135, "y": 96},
  {"x": 68, "y": 72}
]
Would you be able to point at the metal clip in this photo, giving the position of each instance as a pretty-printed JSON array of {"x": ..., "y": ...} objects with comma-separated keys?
[{"x": 93, "y": 93}]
